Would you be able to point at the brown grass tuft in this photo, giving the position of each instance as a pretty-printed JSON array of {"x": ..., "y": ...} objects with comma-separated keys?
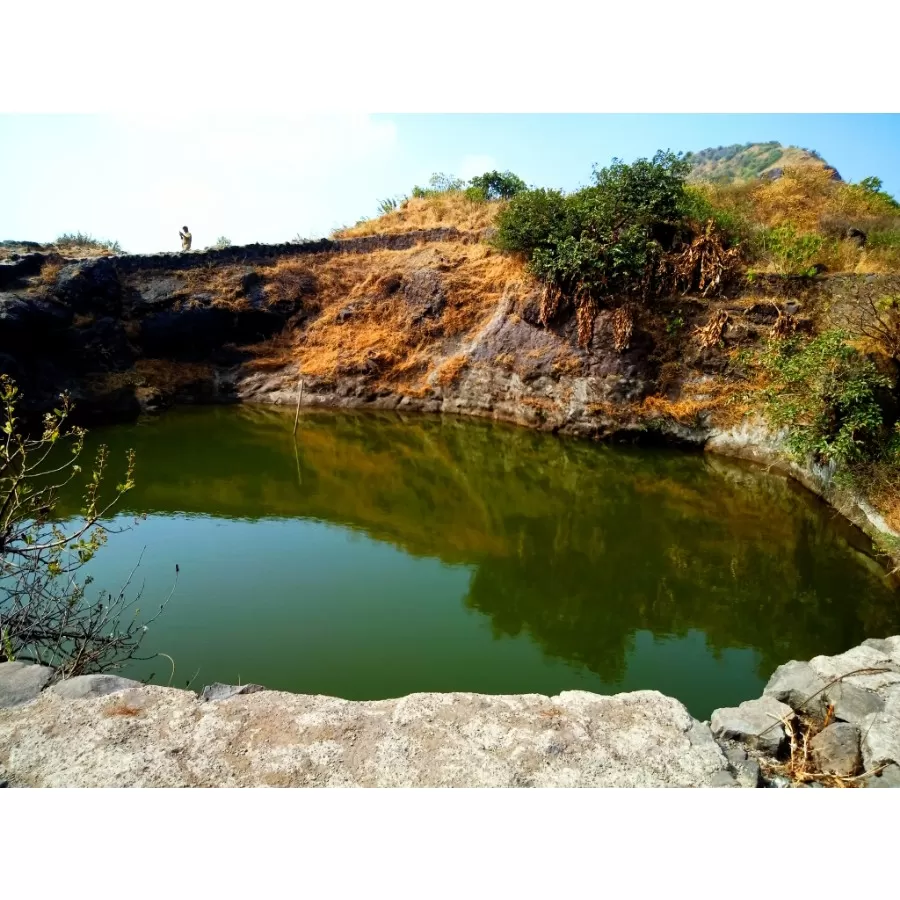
[
  {"x": 50, "y": 273},
  {"x": 451, "y": 369},
  {"x": 121, "y": 708}
]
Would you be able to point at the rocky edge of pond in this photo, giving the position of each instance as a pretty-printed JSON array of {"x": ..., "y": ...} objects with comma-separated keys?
[
  {"x": 87, "y": 326},
  {"x": 829, "y": 722}
]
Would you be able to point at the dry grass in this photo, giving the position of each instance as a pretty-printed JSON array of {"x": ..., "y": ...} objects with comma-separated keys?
[
  {"x": 121, "y": 709},
  {"x": 567, "y": 364},
  {"x": 274, "y": 354},
  {"x": 725, "y": 402},
  {"x": 882, "y": 260},
  {"x": 450, "y": 210},
  {"x": 807, "y": 198},
  {"x": 82, "y": 320},
  {"x": 449, "y": 371},
  {"x": 367, "y": 325},
  {"x": 50, "y": 273},
  {"x": 287, "y": 281},
  {"x": 800, "y": 198},
  {"x": 224, "y": 284}
]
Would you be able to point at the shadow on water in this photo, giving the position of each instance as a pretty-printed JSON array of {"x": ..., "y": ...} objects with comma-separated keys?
[{"x": 380, "y": 555}]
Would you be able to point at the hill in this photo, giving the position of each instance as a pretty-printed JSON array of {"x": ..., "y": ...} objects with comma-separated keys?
[{"x": 746, "y": 162}]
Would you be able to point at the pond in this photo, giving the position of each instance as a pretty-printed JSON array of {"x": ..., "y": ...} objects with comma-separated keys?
[{"x": 375, "y": 555}]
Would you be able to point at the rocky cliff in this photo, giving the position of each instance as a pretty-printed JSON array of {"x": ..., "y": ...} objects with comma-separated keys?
[{"x": 431, "y": 320}]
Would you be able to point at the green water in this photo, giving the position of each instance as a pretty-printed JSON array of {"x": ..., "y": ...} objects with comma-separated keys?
[{"x": 377, "y": 556}]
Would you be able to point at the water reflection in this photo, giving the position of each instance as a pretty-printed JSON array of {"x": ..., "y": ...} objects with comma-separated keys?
[{"x": 607, "y": 568}]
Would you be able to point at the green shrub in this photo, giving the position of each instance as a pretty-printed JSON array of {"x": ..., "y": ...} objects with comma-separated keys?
[
  {"x": 791, "y": 253},
  {"x": 829, "y": 397},
  {"x": 697, "y": 208},
  {"x": 495, "y": 186},
  {"x": 534, "y": 219},
  {"x": 79, "y": 241},
  {"x": 605, "y": 238}
]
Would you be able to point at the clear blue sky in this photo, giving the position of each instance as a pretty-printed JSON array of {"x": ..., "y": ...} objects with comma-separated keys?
[{"x": 261, "y": 178}]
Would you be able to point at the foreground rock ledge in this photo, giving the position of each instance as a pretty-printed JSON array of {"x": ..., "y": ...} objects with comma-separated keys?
[{"x": 146, "y": 736}]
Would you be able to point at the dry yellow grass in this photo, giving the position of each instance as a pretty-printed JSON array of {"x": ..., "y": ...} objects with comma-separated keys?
[
  {"x": 367, "y": 324},
  {"x": 800, "y": 198},
  {"x": 49, "y": 273},
  {"x": 452, "y": 209},
  {"x": 450, "y": 370},
  {"x": 726, "y": 402}
]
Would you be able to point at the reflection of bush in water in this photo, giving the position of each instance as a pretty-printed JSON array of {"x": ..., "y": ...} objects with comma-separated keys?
[{"x": 579, "y": 545}]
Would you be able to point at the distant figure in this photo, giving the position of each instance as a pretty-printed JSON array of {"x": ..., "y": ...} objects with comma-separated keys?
[{"x": 185, "y": 236}]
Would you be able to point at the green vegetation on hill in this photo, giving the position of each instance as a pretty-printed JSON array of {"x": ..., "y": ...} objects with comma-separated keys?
[{"x": 746, "y": 162}]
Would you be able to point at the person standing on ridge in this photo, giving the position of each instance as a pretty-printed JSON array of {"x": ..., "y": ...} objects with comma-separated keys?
[{"x": 185, "y": 236}]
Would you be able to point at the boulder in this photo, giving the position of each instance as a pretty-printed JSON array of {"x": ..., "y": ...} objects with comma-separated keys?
[
  {"x": 21, "y": 682},
  {"x": 424, "y": 292},
  {"x": 18, "y": 267},
  {"x": 83, "y": 687},
  {"x": 835, "y": 750},
  {"x": 755, "y": 723},
  {"x": 854, "y": 665},
  {"x": 28, "y": 324},
  {"x": 91, "y": 286},
  {"x": 102, "y": 347},
  {"x": 186, "y": 333},
  {"x": 575, "y": 739},
  {"x": 888, "y": 777},
  {"x": 888, "y": 647},
  {"x": 218, "y": 691},
  {"x": 851, "y": 703},
  {"x": 797, "y": 685},
  {"x": 881, "y": 736},
  {"x": 155, "y": 293}
]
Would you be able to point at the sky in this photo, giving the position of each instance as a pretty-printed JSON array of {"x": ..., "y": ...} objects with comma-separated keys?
[{"x": 139, "y": 179}]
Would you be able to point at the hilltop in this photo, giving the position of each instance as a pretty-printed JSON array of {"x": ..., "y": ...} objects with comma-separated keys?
[{"x": 746, "y": 162}]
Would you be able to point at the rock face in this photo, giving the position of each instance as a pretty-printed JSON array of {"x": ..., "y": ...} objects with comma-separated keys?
[{"x": 162, "y": 737}]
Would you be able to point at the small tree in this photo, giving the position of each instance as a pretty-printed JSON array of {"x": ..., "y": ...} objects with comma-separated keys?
[
  {"x": 45, "y": 614},
  {"x": 495, "y": 186},
  {"x": 222, "y": 243}
]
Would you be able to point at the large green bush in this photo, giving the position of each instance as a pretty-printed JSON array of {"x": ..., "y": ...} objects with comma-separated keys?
[
  {"x": 829, "y": 397},
  {"x": 604, "y": 239}
]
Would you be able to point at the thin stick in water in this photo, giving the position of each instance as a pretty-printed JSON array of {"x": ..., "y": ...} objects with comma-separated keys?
[{"x": 299, "y": 401}]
